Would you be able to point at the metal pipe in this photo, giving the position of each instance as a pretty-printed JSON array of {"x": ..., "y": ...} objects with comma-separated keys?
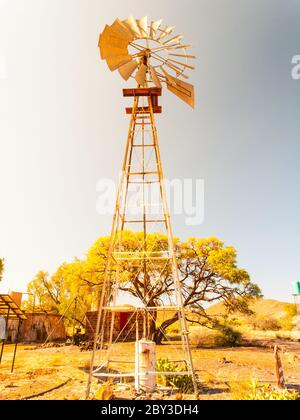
[{"x": 16, "y": 345}]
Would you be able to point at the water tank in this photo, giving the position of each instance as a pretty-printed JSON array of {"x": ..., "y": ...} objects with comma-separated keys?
[{"x": 296, "y": 288}]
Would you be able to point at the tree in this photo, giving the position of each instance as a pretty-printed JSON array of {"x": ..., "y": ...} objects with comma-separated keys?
[
  {"x": 208, "y": 273},
  {"x": 1, "y": 268},
  {"x": 208, "y": 269},
  {"x": 43, "y": 295},
  {"x": 73, "y": 289},
  {"x": 68, "y": 292}
]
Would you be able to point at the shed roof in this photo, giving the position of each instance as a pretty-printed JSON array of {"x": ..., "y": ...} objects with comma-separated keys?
[{"x": 8, "y": 306}]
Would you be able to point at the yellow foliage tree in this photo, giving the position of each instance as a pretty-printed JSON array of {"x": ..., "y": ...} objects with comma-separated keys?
[{"x": 208, "y": 272}]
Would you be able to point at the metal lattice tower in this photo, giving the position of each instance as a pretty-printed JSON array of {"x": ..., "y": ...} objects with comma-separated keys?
[{"x": 142, "y": 177}]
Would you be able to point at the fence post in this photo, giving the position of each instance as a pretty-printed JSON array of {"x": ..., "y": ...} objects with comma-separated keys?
[{"x": 279, "y": 369}]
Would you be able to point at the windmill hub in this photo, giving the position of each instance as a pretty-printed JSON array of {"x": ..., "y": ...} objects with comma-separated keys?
[{"x": 145, "y": 57}]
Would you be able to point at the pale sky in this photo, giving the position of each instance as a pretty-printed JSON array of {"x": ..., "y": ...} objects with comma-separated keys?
[{"x": 63, "y": 127}]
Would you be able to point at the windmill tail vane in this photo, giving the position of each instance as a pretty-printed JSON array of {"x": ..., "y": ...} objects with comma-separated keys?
[{"x": 152, "y": 55}]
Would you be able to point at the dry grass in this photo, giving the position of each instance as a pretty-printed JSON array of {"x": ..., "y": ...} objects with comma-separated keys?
[
  {"x": 203, "y": 338},
  {"x": 241, "y": 388},
  {"x": 213, "y": 379},
  {"x": 105, "y": 392},
  {"x": 39, "y": 370},
  {"x": 57, "y": 360}
]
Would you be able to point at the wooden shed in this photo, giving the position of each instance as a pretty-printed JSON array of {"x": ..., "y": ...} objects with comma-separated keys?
[
  {"x": 125, "y": 319},
  {"x": 37, "y": 327}
]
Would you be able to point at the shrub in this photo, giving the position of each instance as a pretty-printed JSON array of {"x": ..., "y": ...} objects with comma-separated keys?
[
  {"x": 269, "y": 393},
  {"x": 228, "y": 338},
  {"x": 266, "y": 324},
  {"x": 223, "y": 336},
  {"x": 253, "y": 391},
  {"x": 182, "y": 382},
  {"x": 287, "y": 322},
  {"x": 203, "y": 338}
]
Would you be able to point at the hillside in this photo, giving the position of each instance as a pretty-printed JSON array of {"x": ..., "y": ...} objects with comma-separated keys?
[{"x": 262, "y": 308}]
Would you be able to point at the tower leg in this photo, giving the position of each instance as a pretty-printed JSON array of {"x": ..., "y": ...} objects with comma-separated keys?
[
  {"x": 178, "y": 289},
  {"x": 104, "y": 294}
]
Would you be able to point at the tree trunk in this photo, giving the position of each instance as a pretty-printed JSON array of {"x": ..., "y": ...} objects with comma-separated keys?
[
  {"x": 161, "y": 331},
  {"x": 152, "y": 328},
  {"x": 152, "y": 320}
]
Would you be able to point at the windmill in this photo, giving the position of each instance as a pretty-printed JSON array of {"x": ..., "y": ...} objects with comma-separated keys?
[{"x": 151, "y": 55}]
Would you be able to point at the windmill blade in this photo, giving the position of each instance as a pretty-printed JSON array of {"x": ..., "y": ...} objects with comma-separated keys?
[
  {"x": 124, "y": 32},
  {"x": 110, "y": 50},
  {"x": 183, "y": 90},
  {"x": 107, "y": 52},
  {"x": 154, "y": 28},
  {"x": 117, "y": 61},
  {"x": 177, "y": 47},
  {"x": 141, "y": 75},
  {"x": 143, "y": 26},
  {"x": 182, "y": 64},
  {"x": 131, "y": 24},
  {"x": 111, "y": 34},
  {"x": 183, "y": 56},
  {"x": 128, "y": 69},
  {"x": 167, "y": 62},
  {"x": 110, "y": 47},
  {"x": 171, "y": 47},
  {"x": 155, "y": 78},
  {"x": 173, "y": 40},
  {"x": 111, "y": 43},
  {"x": 176, "y": 69},
  {"x": 165, "y": 32}
]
